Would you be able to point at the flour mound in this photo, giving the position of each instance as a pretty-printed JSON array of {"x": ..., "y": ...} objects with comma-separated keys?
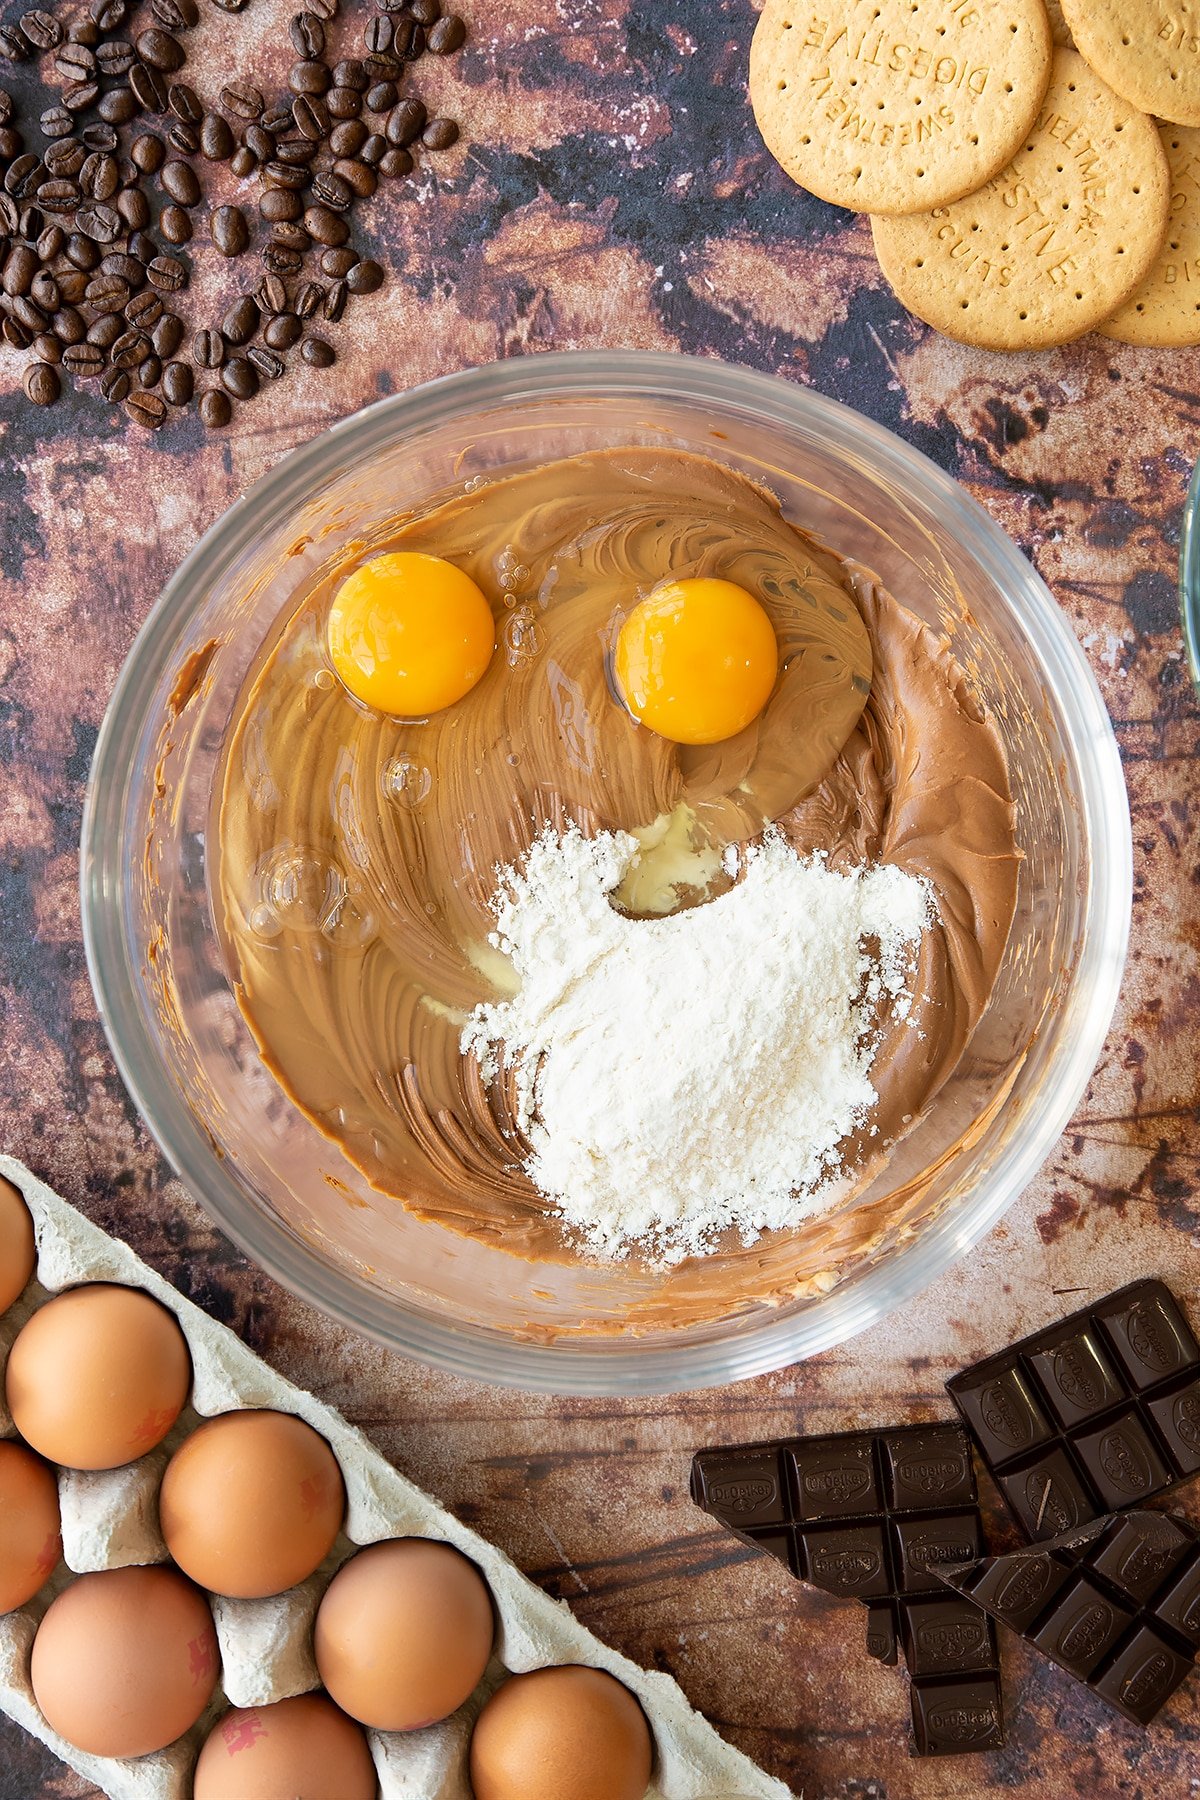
[{"x": 679, "y": 1076}]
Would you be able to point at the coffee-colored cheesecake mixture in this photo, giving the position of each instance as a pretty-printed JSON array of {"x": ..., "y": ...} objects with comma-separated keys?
[{"x": 358, "y": 852}]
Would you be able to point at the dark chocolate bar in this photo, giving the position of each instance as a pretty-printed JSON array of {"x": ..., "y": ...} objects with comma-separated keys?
[
  {"x": 1116, "y": 1604},
  {"x": 872, "y": 1516},
  {"x": 1094, "y": 1414}
]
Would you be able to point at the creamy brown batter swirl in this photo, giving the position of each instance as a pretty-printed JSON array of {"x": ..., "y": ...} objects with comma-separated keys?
[{"x": 357, "y": 852}]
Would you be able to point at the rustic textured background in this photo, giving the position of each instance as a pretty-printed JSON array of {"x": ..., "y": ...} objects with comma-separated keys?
[{"x": 611, "y": 190}]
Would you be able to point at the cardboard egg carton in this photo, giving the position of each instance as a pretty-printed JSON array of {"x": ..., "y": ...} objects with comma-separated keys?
[{"x": 110, "y": 1520}]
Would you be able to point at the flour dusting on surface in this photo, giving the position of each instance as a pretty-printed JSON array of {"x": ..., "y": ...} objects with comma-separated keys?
[{"x": 677, "y": 1077}]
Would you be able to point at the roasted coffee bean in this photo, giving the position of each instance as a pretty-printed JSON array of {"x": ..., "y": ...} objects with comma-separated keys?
[
  {"x": 277, "y": 204},
  {"x": 332, "y": 191},
  {"x": 149, "y": 372},
  {"x": 215, "y": 409},
  {"x": 365, "y": 277},
  {"x": 58, "y": 196},
  {"x": 308, "y": 298},
  {"x": 149, "y": 88},
  {"x": 42, "y": 384},
  {"x": 352, "y": 74},
  {"x": 175, "y": 15},
  {"x": 44, "y": 291},
  {"x": 317, "y": 353},
  {"x": 82, "y": 252},
  {"x": 103, "y": 333},
  {"x": 325, "y": 226},
  {"x": 167, "y": 273},
  {"x": 160, "y": 50},
  {"x": 361, "y": 181},
  {"x": 147, "y": 153},
  {"x": 15, "y": 334},
  {"x": 167, "y": 335},
  {"x": 439, "y": 134},
  {"x": 6, "y": 108},
  {"x": 425, "y": 12},
  {"x": 143, "y": 246},
  {"x": 84, "y": 361},
  {"x": 242, "y": 99},
  {"x": 99, "y": 136},
  {"x": 394, "y": 163},
  {"x": 98, "y": 221},
  {"x": 178, "y": 383},
  {"x": 149, "y": 410},
  {"x": 69, "y": 324},
  {"x": 243, "y": 163},
  {"x": 289, "y": 235},
  {"x": 118, "y": 107},
  {"x": 285, "y": 175},
  {"x": 208, "y": 349},
  {"x": 445, "y": 35},
  {"x": 29, "y": 313},
  {"x": 50, "y": 243},
  {"x": 31, "y": 222},
  {"x": 307, "y": 34},
  {"x": 277, "y": 118},
  {"x": 283, "y": 331},
  {"x": 410, "y": 39},
  {"x": 297, "y": 152},
  {"x": 42, "y": 29},
  {"x": 14, "y": 45},
  {"x": 109, "y": 15},
  {"x": 266, "y": 362},
  {"x": 81, "y": 95},
  {"x": 336, "y": 263},
  {"x": 84, "y": 31},
  {"x": 57, "y": 122},
  {"x": 229, "y": 231},
  {"x": 230, "y": 6},
  {"x": 311, "y": 117},
  {"x": 383, "y": 68},
  {"x": 184, "y": 102},
  {"x": 271, "y": 294},
  {"x": 75, "y": 62},
  {"x": 10, "y": 216},
  {"x": 130, "y": 269},
  {"x": 344, "y": 103},
  {"x": 325, "y": 10},
  {"x": 240, "y": 378},
  {"x": 216, "y": 138},
  {"x": 260, "y": 142},
  {"x": 347, "y": 137},
  {"x": 65, "y": 158},
  {"x": 175, "y": 225},
  {"x": 47, "y": 348},
  {"x": 373, "y": 150},
  {"x": 134, "y": 208},
  {"x": 241, "y": 321},
  {"x": 184, "y": 139},
  {"x": 11, "y": 143},
  {"x": 379, "y": 34},
  {"x": 144, "y": 311},
  {"x": 130, "y": 349},
  {"x": 71, "y": 285},
  {"x": 108, "y": 293},
  {"x": 22, "y": 176},
  {"x": 405, "y": 124},
  {"x": 382, "y": 97},
  {"x": 98, "y": 178},
  {"x": 178, "y": 180},
  {"x": 116, "y": 57},
  {"x": 334, "y": 303},
  {"x": 114, "y": 385}
]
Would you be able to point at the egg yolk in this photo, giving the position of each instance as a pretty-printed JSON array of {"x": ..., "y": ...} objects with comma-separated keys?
[
  {"x": 696, "y": 660},
  {"x": 410, "y": 634}
]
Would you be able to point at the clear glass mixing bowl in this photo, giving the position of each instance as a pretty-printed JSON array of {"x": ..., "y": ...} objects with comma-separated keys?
[{"x": 284, "y": 1193}]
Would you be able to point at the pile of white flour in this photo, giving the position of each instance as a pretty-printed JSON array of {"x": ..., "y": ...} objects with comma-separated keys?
[{"x": 677, "y": 1076}]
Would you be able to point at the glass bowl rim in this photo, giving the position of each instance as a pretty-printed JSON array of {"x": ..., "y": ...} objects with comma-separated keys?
[{"x": 621, "y": 1366}]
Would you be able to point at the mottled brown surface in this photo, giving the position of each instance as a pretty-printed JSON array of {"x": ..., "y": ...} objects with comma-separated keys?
[{"x": 614, "y": 192}]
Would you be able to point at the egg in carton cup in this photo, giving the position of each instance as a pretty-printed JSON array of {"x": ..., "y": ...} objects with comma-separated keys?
[{"x": 110, "y": 1520}]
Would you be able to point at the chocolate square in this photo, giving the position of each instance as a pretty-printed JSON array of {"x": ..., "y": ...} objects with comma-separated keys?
[
  {"x": 740, "y": 1487},
  {"x": 946, "y": 1637},
  {"x": 1143, "y": 1675},
  {"x": 1177, "y": 1416},
  {"x": 1049, "y": 1498},
  {"x": 778, "y": 1544},
  {"x": 1123, "y": 1463},
  {"x": 925, "y": 1545},
  {"x": 932, "y": 1468},
  {"x": 1140, "y": 1553},
  {"x": 850, "y": 1561},
  {"x": 1150, "y": 1335},
  {"x": 1179, "y": 1607},
  {"x": 953, "y": 1718},
  {"x": 1081, "y": 1626},
  {"x": 1002, "y": 1412},
  {"x": 833, "y": 1477},
  {"x": 1076, "y": 1376},
  {"x": 1015, "y": 1589}
]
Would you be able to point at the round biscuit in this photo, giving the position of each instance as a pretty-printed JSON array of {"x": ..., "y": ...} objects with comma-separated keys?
[
  {"x": 894, "y": 106},
  {"x": 1149, "y": 54},
  {"x": 1165, "y": 310},
  {"x": 1056, "y": 242}
]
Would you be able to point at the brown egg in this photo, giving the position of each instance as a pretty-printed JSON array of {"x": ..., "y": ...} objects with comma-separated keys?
[
  {"x": 98, "y": 1376},
  {"x": 30, "y": 1537},
  {"x": 302, "y": 1749},
  {"x": 561, "y": 1734},
  {"x": 18, "y": 1252},
  {"x": 125, "y": 1661},
  {"x": 404, "y": 1633},
  {"x": 251, "y": 1503}
]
